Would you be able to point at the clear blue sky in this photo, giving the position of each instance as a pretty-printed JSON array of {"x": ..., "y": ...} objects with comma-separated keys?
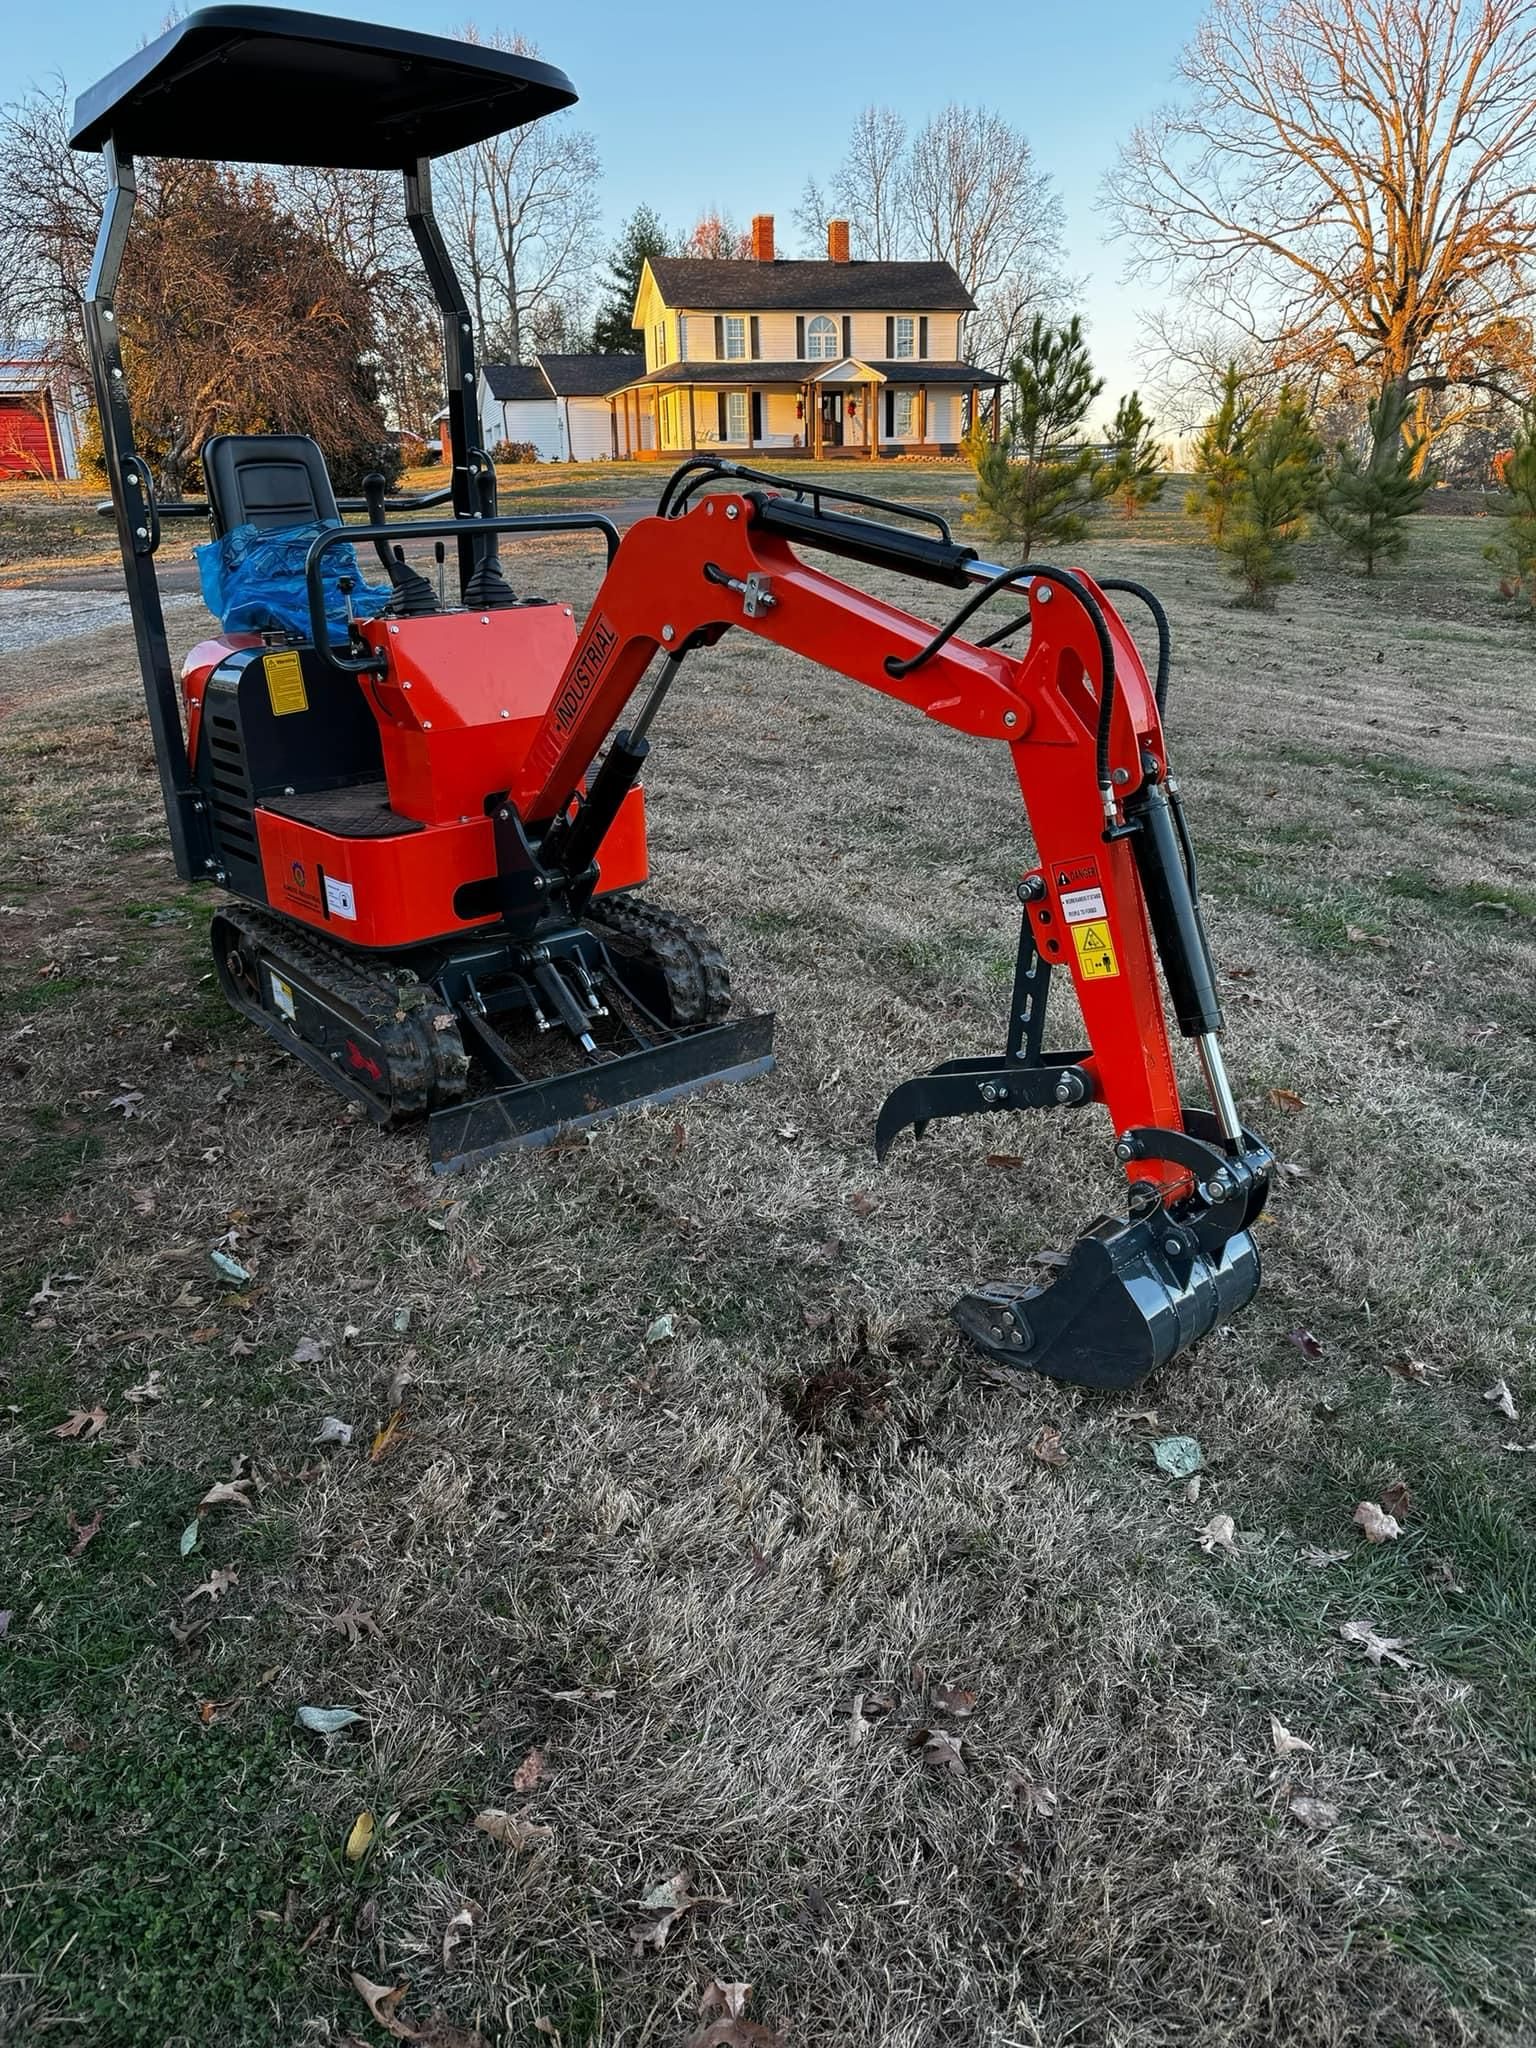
[{"x": 699, "y": 103}]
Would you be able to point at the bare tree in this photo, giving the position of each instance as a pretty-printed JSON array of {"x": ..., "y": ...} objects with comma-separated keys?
[
  {"x": 811, "y": 217},
  {"x": 965, "y": 190},
  {"x": 868, "y": 185},
  {"x": 360, "y": 217},
  {"x": 1350, "y": 187},
  {"x": 522, "y": 211}
]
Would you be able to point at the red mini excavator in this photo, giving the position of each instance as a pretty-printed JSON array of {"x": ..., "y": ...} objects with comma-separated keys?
[{"x": 429, "y": 823}]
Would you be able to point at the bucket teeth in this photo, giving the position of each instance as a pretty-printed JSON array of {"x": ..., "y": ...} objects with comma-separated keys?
[{"x": 1131, "y": 1295}]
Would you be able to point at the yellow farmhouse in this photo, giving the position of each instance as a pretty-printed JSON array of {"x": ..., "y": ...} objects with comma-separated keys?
[{"x": 827, "y": 358}]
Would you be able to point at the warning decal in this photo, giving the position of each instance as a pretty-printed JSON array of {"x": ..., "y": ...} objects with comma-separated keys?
[
  {"x": 285, "y": 683},
  {"x": 339, "y": 900},
  {"x": 1095, "y": 952},
  {"x": 282, "y": 996},
  {"x": 1079, "y": 905}
]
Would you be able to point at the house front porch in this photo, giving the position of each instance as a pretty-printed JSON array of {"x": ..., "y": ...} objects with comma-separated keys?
[{"x": 848, "y": 410}]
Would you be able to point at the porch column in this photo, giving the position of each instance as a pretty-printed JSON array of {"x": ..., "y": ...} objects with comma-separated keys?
[
  {"x": 922, "y": 415},
  {"x": 872, "y": 434},
  {"x": 815, "y": 421},
  {"x": 693, "y": 425},
  {"x": 975, "y": 405}
]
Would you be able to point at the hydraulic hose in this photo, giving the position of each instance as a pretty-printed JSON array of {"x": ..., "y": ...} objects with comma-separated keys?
[
  {"x": 1068, "y": 582},
  {"x": 1164, "y": 635}
]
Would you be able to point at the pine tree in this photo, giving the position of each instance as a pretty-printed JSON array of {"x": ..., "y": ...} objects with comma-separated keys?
[
  {"x": 1514, "y": 552},
  {"x": 1280, "y": 479},
  {"x": 1135, "y": 461},
  {"x": 1218, "y": 459},
  {"x": 641, "y": 237},
  {"x": 1369, "y": 499},
  {"x": 1039, "y": 479}
]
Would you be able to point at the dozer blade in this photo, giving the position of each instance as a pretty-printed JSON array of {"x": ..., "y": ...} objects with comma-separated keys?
[
  {"x": 1118, "y": 1309},
  {"x": 519, "y": 1119}
]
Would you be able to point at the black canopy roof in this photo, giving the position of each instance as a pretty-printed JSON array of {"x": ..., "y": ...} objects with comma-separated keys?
[{"x": 267, "y": 85}]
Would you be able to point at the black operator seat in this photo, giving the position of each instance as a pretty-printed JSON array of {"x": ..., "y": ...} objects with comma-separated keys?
[{"x": 267, "y": 480}]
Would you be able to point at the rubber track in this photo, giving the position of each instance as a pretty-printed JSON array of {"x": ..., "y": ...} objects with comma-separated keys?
[
  {"x": 698, "y": 981},
  {"x": 425, "y": 1060}
]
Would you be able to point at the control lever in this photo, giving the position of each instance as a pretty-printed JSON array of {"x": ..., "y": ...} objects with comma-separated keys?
[{"x": 413, "y": 593}]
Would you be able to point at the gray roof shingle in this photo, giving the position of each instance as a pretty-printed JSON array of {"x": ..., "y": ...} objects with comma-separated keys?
[
  {"x": 588, "y": 376},
  {"x": 705, "y": 285},
  {"x": 512, "y": 382}
]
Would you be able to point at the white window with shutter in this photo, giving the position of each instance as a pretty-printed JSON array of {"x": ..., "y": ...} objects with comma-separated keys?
[
  {"x": 735, "y": 338},
  {"x": 902, "y": 414},
  {"x": 906, "y": 335},
  {"x": 737, "y": 417}
]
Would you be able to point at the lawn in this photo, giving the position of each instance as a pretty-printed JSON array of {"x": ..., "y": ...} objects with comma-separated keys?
[{"x": 674, "y": 1521}]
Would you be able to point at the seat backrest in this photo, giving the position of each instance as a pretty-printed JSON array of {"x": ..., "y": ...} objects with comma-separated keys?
[{"x": 266, "y": 480}]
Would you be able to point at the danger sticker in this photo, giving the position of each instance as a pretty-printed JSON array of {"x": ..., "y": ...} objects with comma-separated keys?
[
  {"x": 1095, "y": 952},
  {"x": 285, "y": 683},
  {"x": 1078, "y": 906},
  {"x": 282, "y": 997},
  {"x": 339, "y": 900}
]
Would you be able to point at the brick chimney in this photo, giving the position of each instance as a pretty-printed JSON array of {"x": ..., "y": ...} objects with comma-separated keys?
[
  {"x": 762, "y": 238},
  {"x": 837, "y": 241}
]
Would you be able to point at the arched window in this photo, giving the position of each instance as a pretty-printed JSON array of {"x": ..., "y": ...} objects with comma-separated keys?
[{"x": 821, "y": 338}]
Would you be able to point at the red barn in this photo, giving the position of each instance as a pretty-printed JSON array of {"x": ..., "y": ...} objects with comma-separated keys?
[{"x": 37, "y": 424}]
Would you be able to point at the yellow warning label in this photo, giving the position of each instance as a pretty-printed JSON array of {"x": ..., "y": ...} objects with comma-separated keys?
[
  {"x": 285, "y": 683},
  {"x": 1095, "y": 951}
]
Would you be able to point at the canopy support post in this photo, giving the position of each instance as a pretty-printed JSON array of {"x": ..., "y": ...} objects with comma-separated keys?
[{"x": 470, "y": 462}]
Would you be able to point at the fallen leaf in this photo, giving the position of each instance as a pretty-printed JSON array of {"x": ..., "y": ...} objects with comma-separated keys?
[
  {"x": 334, "y": 1431},
  {"x": 1357, "y": 937},
  {"x": 353, "y": 1622},
  {"x": 1377, "y": 1526},
  {"x": 5, "y": 1620},
  {"x": 1219, "y": 1533},
  {"x": 547, "y": 2027},
  {"x": 1286, "y": 1744},
  {"x": 938, "y": 1750},
  {"x": 1412, "y": 1369},
  {"x": 1285, "y": 1098},
  {"x": 387, "y": 1439},
  {"x": 231, "y": 1269},
  {"x": 1319, "y": 1560},
  {"x": 1308, "y": 1345},
  {"x": 663, "y": 1906},
  {"x": 459, "y": 1929},
  {"x": 1396, "y": 1498},
  {"x": 730, "y": 1998},
  {"x": 84, "y": 1531},
  {"x": 225, "y": 1493},
  {"x": 1049, "y": 1448},
  {"x": 241, "y": 1349},
  {"x": 862, "y": 1204},
  {"x": 1313, "y": 1813},
  {"x": 1144, "y": 1418},
  {"x": 1178, "y": 1456},
  {"x": 128, "y": 1102},
  {"x": 1005, "y": 1160},
  {"x": 360, "y": 1838},
  {"x": 189, "y": 1539},
  {"x": 209, "y": 1710},
  {"x": 148, "y": 1390},
  {"x": 526, "y": 1777},
  {"x": 308, "y": 1351},
  {"x": 1035, "y": 1801},
  {"x": 511, "y": 1830},
  {"x": 1377, "y": 1648},
  {"x": 956, "y": 1700},
  {"x": 731, "y": 2029},
  {"x": 382, "y": 2001},
  {"x": 1498, "y": 1396},
  {"x": 660, "y": 1330},
  {"x": 215, "y": 1586},
  {"x": 326, "y": 1720},
  {"x": 83, "y": 1424}
]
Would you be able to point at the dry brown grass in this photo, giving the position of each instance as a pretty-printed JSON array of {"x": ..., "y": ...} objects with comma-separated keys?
[{"x": 674, "y": 1568}]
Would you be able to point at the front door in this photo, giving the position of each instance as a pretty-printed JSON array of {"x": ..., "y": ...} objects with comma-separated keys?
[{"x": 831, "y": 419}]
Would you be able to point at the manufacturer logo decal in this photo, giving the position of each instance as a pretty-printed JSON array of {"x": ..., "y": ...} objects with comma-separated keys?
[{"x": 586, "y": 669}]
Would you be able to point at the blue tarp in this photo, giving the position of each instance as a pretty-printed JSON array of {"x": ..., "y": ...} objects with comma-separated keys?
[{"x": 253, "y": 581}]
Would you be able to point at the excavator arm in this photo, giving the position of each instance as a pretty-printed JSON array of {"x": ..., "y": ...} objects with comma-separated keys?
[{"x": 1109, "y": 898}]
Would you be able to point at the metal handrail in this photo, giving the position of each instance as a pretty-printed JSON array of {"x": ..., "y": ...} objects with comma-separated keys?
[{"x": 428, "y": 529}]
